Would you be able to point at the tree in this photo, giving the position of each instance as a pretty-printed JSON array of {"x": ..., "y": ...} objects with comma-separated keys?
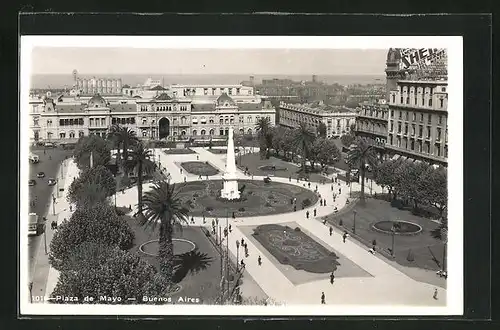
[
  {"x": 304, "y": 139},
  {"x": 87, "y": 194},
  {"x": 277, "y": 139},
  {"x": 435, "y": 188},
  {"x": 114, "y": 137},
  {"x": 321, "y": 130},
  {"x": 288, "y": 142},
  {"x": 100, "y": 175},
  {"x": 325, "y": 151},
  {"x": 125, "y": 137},
  {"x": 142, "y": 164},
  {"x": 361, "y": 155},
  {"x": 262, "y": 127},
  {"x": 103, "y": 272},
  {"x": 99, "y": 224},
  {"x": 101, "y": 152},
  {"x": 163, "y": 208},
  {"x": 190, "y": 263},
  {"x": 384, "y": 175},
  {"x": 347, "y": 140},
  {"x": 412, "y": 181}
]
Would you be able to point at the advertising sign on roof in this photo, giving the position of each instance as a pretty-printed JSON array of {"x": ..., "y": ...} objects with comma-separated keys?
[{"x": 420, "y": 58}]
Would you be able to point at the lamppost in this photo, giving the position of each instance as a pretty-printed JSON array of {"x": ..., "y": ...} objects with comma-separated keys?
[
  {"x": 53, "y": 204},
  {"x": 227, "y": 249},
  {"x": 45, "y": 237},
  {"x": 237, "y": 254},
  {"x": 30, "y": 287},
  {"x": 394, "y": 228},
  {"x": 354, "y": 222}
]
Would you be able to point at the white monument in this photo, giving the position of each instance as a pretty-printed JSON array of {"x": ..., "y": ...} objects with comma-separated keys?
[{"x": 230, "y": 185}]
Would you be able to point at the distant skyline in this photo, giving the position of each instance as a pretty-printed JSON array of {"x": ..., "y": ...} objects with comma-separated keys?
[{"x": 116, "y": 61}]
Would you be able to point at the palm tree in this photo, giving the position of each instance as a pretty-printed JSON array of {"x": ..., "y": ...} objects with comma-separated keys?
[
  {"x": 303, "y": 141},
  {"x": 361, "y": 155},
  {"x": 163, "y": 208},
  {"x": 125, "y": 137},
  {"x": 142, "y": 164},
  {"x": 190, "y": 263},
  {"x": 262, "y": 127}
]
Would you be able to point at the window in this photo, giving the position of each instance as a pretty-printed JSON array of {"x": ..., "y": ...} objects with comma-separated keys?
[
  {"x": 212, "y": 132},
  {"x": 393, "y": 98},
  {"x": 441, "y": 103},
  {"x": 237, "y": 91},
  {"x": 205, "y": 91},
  {"x": 428, "y": 135},
  {"x": 430, "y": 102},
  {"x": 231, "y": 120},
  {"x": 144, "y": 133},
  {"x": 438, "y": 134},
  {"x": 61, "y": 122},
  {"x": 249, "y": 119},
  {"x": 416, "y": 100},
  {"x": 421, "y": 117},
  {"x": 427, "y": 147},
  {"x": 113, "y": 121},
  {"x": 399, "y": 127},
  {"x": 412, "y": 145},
  {"x": 401, "y": 100},
  {"x": 440, "y": 121},
  {"x": 49, "y": 123},
  {"x": 407, "y": 100},
  {"x": 419, "y": 146},
  {"x": 429, "y": 118},
  {"x": 211, "y": 120},
  {"x": 195, "y": 132},
  {"x": 446, "y": 151},
  {"x": 400, "y": 114},
  {"x": 203, "y": 132},
  {"x": 91, "y": 122},
  {"x": 221, "y": 121},
  {"x": 230, "y": 90},
  {"x": 437, "y": 148},
  {"x": 221, "y": 132},
  {"x": 414, "y": 115},
  {"x": 390, "y": 139},
  {"x": 241, "y": 119},
  {"x": 398, "y": 142},
  {"x": 62, "y": 135},
  {"x": 420, "y": 130},
  {"x": 392, "y": 113},
  {"x": 412, "y": 129},
  {"x": 81, "y": 134},
  {"x": 406, "y": 128},
  {"x": 144, "y": 120},
  {"x": 71, "y": 135}
]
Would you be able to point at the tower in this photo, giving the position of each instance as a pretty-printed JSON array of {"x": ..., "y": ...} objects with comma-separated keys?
[
  {"x": 230, "y": 185},
  {"x": 75, "y": 77},
  {"x": 393, "y": 71}
]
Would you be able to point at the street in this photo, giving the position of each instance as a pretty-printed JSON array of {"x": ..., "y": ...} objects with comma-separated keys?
[{"x": 42, "y": 192}]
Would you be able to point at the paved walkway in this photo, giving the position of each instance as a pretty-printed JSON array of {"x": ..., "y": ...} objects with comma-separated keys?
[{"x": 388, "y": 286}]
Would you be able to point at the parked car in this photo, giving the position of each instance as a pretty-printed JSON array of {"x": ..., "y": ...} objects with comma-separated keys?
[
  {"x": 32, "y": 182},
  {"x": 34, "y": 159},
  {"x": 50, "y": 145},
  {"x": 40, "y": 175},
  {"x": 267, "y": 179},
  {"x": 51, "y": 182}
]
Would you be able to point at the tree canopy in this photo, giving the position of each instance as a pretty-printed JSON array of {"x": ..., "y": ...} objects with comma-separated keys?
[
  {"x": 99, "y": 175},
  {"x": 100, "y": 149}
]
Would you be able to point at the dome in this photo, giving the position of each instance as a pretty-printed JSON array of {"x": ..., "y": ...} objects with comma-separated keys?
[{"x": 97, "y": 101}]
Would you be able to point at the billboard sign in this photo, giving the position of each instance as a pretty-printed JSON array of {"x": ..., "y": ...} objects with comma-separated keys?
[{"x": 412, "y": 58}]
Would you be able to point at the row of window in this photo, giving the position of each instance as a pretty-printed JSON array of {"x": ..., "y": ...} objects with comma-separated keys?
[
  {"x": 123, "y": 121},
  {"x": 163, "y": 108},
  {"x": 420, "y": 130},
  {"x": 414, "y": 116},
  {"x": 419, "y": 146}
]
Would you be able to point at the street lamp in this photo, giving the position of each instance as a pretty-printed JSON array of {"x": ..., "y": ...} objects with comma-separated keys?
[
  {"x": 30, "y": 287},
  {"x": 53, "y": 204},
  {"x": 354, "y": 223},
  {"x": 394, "y": 228},
  {"x": 237, "y": 254}
]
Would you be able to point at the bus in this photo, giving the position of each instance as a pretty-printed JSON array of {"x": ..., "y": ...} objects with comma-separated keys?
[
  {"x": 34, "y": 159},
  {"x": 35, "y": 225}
]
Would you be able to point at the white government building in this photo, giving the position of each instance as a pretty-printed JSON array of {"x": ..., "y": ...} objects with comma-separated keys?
[{"x": 197, "y": 111}]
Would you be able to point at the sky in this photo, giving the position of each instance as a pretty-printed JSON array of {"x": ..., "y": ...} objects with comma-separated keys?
[{"x": 86, "y": 60}]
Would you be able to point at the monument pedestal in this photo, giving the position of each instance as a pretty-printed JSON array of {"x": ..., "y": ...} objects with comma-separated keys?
[{"x": 230, "y": 189}]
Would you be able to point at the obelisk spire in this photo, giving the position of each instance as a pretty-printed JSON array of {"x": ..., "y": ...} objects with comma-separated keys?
[{"x": 231, "y": 158}]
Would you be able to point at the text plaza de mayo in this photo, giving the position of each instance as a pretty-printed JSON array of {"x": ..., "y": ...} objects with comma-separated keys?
[{"x": 409, "y": 123}]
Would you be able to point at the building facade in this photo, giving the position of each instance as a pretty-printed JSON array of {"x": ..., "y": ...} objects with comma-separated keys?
[
  {"x": 418, "y": 113},
  {"x": 371, "y": 122},
  {"x": 338, "y": 120},
  {"x": 92, "y": 86},
  {"x": 160, "y": 117}
]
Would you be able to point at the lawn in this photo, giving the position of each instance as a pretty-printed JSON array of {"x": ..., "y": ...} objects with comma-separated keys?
[
  {"x": 218, "y": 151},
  {"x": 174, "y": 151},
  {"x": 420, "y": 250},
  {"x": 203, "y": 285},
  {"x": 199, "y": 168},
  {"x": 258, "y": 198},
  {"x": 264, "y": 167}
]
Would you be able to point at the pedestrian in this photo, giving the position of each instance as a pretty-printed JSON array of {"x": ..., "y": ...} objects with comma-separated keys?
[
  {"x": 323, "y": 298},
  {"x": 234, "y": 216},
  {"x": 307, "y": 214},
  {"x": 335, "y": 179},
  {"x": 295, "y": 200},
  {"x": 332, "y": 180},
  {"x": 344, "y": 236},
  {"x": 197, "y": 157},
  {"x": 242, "y": 263},
  {"x": 314, "y": 212},
  {"x": 291, "y": 201},
  {"x": 213, "y": 223},
  {"x": 53, "y": 225},
  {"x": 331, "y": 187},
  {"x": 309, "y": 185},
  {"x": 324, "y": 221},
  {"x": 207, "y": 177},
  {"x": 259, "y": 260},
  {"x": 331, "y": 231},
  {"x": 184, "y": 179},
  {"x": 192, "y": 220},
  {"x": 290, "y": 179},
  {"x": 324, "y": 202},
  {"x": 295, "y": 208},
  {"x": 225, "y": 232},
  {"x": 71, "y": 208},
  {"x": 123, "y": 191},
  {"x": 347, "y": 201},
  {"x": 297, "y": 179},
  {"x": 200, "y": 177},
  {"x": 316, "y": 188},
  {"x": 332, "y": 278},
  {"x": 242, "y": 242},
  {"x": 320, "y": 202},
  {"x": 435, "y": 296},
  {"x": 335, "y": 209},
  {"x": 204, "y": 221},
  {"x": 246, "y": 251},
  {"x": 181, "y": 170},
  {"x": 252, "y": 176},
  {"x": 230, "y": 228},
  {"x": 340, "y": 191}
]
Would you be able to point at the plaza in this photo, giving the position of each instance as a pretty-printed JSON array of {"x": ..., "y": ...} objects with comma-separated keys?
[{"x": 360, "y": 277}]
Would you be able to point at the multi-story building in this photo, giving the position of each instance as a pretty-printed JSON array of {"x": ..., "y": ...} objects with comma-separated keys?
[
  {"x": 418, "y": 121},
  {"x": 371, "y": 122},
  {"x": 338, "y": 120},
  {"x": 92, "y": 86},
  {"x": 162, "y": 116}
]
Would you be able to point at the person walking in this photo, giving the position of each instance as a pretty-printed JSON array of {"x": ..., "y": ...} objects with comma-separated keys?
[
  {"x": 323, "y": 298},
  {"x": 332, "y": 278},
  {"x": 340, "y": 191},
  {"x": 331, "y": 187},
  {"x": 246, "y": 251},
  {"x": 324, "y": 202},
  {"x": 290, "y": 178},
  {"x": 307, "y": 214},
  {"x": 197, "y": 157},
  {"x": 324, "y": 221},
  {"x": 259, "y": 261},
  {"x": 242, "y": 263},
  {"x": 230, "y": 229},
  {"x": 435, "y": 296},
  {"x": 192, "y": 220},
  {"x": 344, "y": 236},
  {"x": 314, "y": 212},
  {"x": 185, "y": 179},
  {"x": 309, "y": 185},
  {"x": 295, "y": 208},
  {"x": 331, "y": 231},
  {"x": 242, "y": 242},
  {"x": 320, "y": 202},
  {"x": 181, "y": 170}
]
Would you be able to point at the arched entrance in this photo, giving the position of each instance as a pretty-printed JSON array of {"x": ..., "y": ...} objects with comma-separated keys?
[{"x": 164, "y": 127}]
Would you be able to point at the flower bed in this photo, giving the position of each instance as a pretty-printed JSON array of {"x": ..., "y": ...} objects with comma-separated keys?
[{"x": 199, "y": 168}]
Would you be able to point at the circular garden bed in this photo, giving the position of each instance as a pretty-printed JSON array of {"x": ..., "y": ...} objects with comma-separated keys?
[
  {"x": 402, "y": 228},
  {"x": 272, "y": 168},
  {"x": 183, "y": 151},
  {"x": 202, "y": 198}
]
